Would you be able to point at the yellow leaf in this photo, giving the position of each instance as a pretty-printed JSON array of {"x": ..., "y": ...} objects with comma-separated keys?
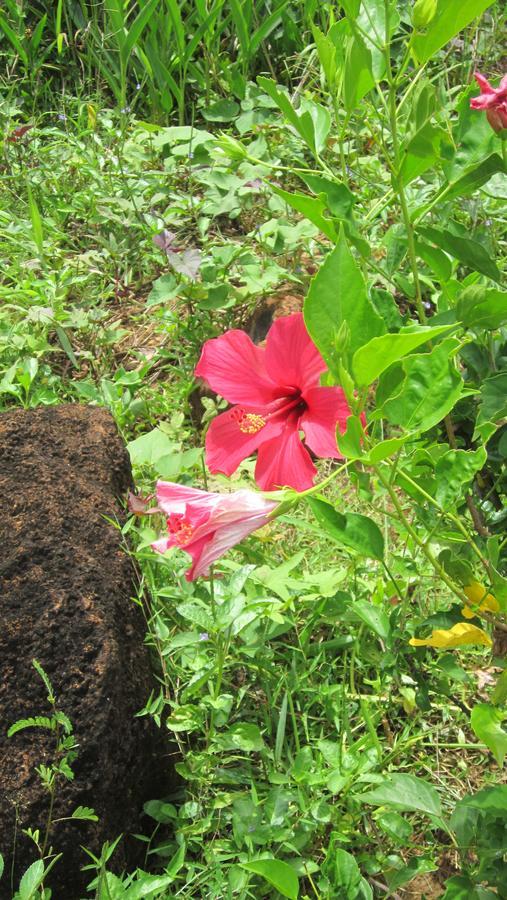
[
  {"x": 92, "y": 116},
  {"x": 477, "y": 594},
  {"x": 458, "y": 636}
]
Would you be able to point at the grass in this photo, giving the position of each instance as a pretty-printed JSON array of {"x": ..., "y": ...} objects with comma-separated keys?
[{"x": 286, "y": 684}]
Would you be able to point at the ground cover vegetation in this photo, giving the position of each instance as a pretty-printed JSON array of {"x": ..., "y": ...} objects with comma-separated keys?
[{"x": 331, "y": 179}]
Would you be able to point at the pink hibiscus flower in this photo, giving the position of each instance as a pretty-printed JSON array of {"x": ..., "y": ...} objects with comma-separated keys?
[
  {"x": 493, "y": 100},
  {"x": 276, "y": 396},
  {"x": 205, "y": 524}
]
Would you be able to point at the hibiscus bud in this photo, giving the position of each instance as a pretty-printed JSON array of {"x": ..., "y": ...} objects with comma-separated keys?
[
  {"x": 342, "y": 339},
  {"x": 230, "y": 147},
  {"x": 423, "y": 12}
]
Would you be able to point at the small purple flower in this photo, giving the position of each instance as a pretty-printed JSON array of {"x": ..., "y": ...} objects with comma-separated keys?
[
  {"x": 190, "y": 155},
  {"x": 204, "y": 636},
  {"x": 125, "y": 110},
  {"x": 62, "y": 117},
  {"x": 138, "y": 87}
]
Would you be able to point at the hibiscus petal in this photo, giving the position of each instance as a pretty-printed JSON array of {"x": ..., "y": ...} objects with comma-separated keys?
[
  {"x": 327, "y": 409},
  {"x": 285, "y": 462},
  {"x": 292, "y": 359},
  {"x": 485, "y": 86},
  {"x": 227, "y": 444},
  {"x": 173, "y": 498},
  {"x": 205, "y": 551},
  {"x": 234, "y": 367}
]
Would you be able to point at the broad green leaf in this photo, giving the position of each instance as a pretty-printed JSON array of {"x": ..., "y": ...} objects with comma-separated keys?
[
  {"x": 499, "y": 695},
  {"x": 405, "y": 792},
  {"x": 418, "y": 865},
  {"x": 312, "y": 208},
  {"x": 421, "y": 152},
  {"x": 454, "y": 470},
  {"x": 386, "y": 448},
  {"x": 357, "y": 75},
  {"x": 338, "y": 300},
  {"x": 344, "y": 874},
  {"x": 278, "y": 874},
  {"x": 486, "y": 721},
  {"x": 321, "y": 119},
  {"x": 451, "y": 17},
  {"x": 466, "y": 250},
  {"x": 493, "y": 406},
  {"x": 328, "y": 56},
  {"x": 436, "y": 259},
  {"x": 350, "y": 442},
  {"x": 489, "y": 799},
  {"x": 351, "y": 530},
  {"x": 244, "y": 736},
  {"x": 474, "y": 177},
  {"x": 374, "y": 617},
  {"x": 480, "y": 307},
  {"x": 31, "y": 880},
  {"x": 430, "y": 388},
  {"x": 302, "y": 123},
  {"x": 221, "y": 111},
  {"x": 379, "y": 353},
  {"x": 339, "y": 198},
  {"x": 460, "y": 887}
]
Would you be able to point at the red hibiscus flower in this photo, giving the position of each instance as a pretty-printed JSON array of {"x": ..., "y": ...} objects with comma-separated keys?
[
  {"x": 276, "y": 396},
  {"x": 205, "y": 524},
  {"x": 493, "y": 100}
]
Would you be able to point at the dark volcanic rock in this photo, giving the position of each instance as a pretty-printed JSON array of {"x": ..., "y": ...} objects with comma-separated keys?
[{"x": 65, "y": 600}]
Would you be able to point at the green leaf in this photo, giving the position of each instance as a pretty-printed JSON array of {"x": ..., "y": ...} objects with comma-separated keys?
[
  {"x": 451, "y": 17},
  {"x": 405, "y": 792},
  {"x": 454, "y": 470},
  {"x": 85, "y": 813},
  {"x": 312, "y": 208},
  {"x": 339, "y": 198},
  {"x": 31, "y": 880},
  {"x": 430, "y": 388},
  {"x": 421, "y": 152},
  {"x": 467, "y": 251},
  {"x": 374, "y": 617},
  {"x": 302, "y": 123},
  {"x": 243, "y": 736},
  {"x": 474, "y": 177},
  {"x": 350, "y": 442},
  {"x": 1, "y": 865},
  {"x": 278, "y": 874},
  {"x": 358, "y": 77},
  {"x": 381, "y": 352},
  {"x": 221, "y": 111},
  {"x": 351, "y": 530},
  {"x": 480, "y": 307},
  {"x": 493, "y": 406},
  {"x": 489, "y": 799},
  {"x": 460, "y": 887},
  {"x": 486, "y": 722},
  {"x": 338, "y": 299},
  {"x": 345, "y": 874},
  {"x": 499, "y": 695}
]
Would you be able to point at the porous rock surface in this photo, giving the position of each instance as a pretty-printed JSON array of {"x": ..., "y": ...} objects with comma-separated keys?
[{"x": 65, "y": 600}]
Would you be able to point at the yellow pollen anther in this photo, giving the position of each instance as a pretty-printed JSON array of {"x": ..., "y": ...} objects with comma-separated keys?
[{"x": 251, "y": 423}]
